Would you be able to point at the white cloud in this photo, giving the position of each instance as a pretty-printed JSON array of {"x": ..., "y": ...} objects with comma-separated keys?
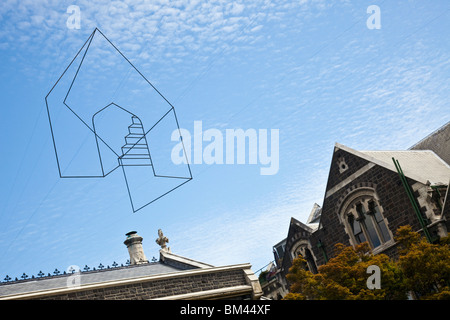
[
  {"x": 177, "y": 26},
  {"x": 380, "y": 105},
  {"x": 237, "y": 8}
]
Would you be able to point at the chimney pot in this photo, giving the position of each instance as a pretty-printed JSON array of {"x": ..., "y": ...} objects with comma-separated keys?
[{"x": 134, "y": 245}]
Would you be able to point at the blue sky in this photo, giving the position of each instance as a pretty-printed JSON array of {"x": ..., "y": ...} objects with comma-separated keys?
[{"x": 311, "y": 69}]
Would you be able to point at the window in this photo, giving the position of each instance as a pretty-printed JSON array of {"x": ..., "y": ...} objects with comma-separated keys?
[
  {"x": 356, "y": 228},
  {"x": 378, "y": 218},
  {"x": 278, "y": 252},
  {"x": 310, "y": 261},
  {"x": 365, "y": 221},
  {"x": 303, "y": 250}
]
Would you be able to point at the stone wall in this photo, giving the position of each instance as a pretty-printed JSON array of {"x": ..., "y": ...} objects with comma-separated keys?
[
  {"x": 158, "y": 288},
  {"x": 398, "y": 210},
  {"x": 438, "y": 141},
  {"x": 296, "y": 233}
]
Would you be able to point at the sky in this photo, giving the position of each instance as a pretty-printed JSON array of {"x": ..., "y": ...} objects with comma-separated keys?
[{"x": 311, "y": 69}]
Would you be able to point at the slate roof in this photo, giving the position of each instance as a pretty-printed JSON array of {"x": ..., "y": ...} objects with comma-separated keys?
[
  {"x": 420, "y": 165},
  {"x": 89, "y": 277},
  {"x": 424, "y": 164},
  {"x": 314, "y": 216}
]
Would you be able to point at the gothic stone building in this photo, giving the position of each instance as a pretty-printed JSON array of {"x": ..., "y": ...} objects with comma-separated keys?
[
  {"x": 366, "y": 200},
  {"x": 173, "y": 277}
]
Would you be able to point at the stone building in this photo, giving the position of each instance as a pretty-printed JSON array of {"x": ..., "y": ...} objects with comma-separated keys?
[
  {"x": 438, "y": 141},
  {"x": 367, "y": 198},
  {"x": 173, "y": 277}
]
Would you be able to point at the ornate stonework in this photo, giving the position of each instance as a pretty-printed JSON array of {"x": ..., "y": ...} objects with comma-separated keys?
[{"x": 162, "y": 241}]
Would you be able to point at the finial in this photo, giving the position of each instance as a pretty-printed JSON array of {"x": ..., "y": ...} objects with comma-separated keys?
[{"x": 162, "y": 240}]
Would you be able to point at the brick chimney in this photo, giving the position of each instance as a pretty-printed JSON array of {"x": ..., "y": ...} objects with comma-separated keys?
[{"x": 134, "y": 245}]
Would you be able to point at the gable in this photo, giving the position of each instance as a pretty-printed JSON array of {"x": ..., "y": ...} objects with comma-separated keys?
[
  {"x": 421, "y": 165},
  {"x": 297, "y": 231},
  {"x": 351, "y": 170},
  {"x": 344, "y": 168},
  {"x": 347, "y": 164}
]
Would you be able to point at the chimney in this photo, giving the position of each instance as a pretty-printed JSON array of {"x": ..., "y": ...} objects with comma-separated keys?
[{"x": 134, "y": 245}]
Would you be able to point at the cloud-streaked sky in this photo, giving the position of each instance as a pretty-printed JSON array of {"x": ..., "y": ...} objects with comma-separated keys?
[{"x": 310, "y": 68}]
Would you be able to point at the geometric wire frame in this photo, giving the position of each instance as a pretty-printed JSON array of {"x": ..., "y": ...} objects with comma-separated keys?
[{"x": 135, "y": 130}]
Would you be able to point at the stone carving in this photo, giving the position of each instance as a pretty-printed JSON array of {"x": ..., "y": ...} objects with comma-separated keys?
[
  {"x": 162, "y": 240},
  {"x": 342, "y": 165}
]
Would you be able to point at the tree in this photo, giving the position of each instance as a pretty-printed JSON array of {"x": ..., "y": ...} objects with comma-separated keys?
[
  {"x": 422, "y": 268},
  {"x": 344, "y": 277},
  {"x": 426, "y": 266}
]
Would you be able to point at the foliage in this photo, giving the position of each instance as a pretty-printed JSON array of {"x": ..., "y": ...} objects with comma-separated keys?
[
  {"x": 344, "y": 277},
  {"x": 426, "y": 266},
  {"x": 422, "y": 268}
]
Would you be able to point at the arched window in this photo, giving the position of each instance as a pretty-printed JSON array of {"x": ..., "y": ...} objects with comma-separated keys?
[
  {"x": 364, "y": 220},
  {"x": 310, "y": 260},
  {"x": 303, "y": 250},
  {"x": 356, "y": 229}
]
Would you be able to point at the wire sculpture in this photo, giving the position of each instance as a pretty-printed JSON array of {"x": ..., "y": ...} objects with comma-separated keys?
[{"x": 104, "y": 114}]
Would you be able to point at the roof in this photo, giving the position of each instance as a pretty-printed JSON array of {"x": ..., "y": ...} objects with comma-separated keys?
[
  {"x": 90, "y": 277},
  {"x": 421, "y": 165},
  {"x": 169, "y": 264},
  {"x": 314, "y": 215},
  {"x": 173, "y": 277},
  {"x": 280, "y": 243},
  {"x": 305, "y": 227},
  {"x": 181, "y": 262},
  {"x": 434, "y": 133}
]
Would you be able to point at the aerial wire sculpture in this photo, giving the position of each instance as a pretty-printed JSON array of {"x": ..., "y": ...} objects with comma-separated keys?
[{"x": 96, "y": 129}]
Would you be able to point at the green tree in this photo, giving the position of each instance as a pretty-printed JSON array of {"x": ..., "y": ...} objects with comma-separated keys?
[
  {"x": 422, "y": 268},
  {"x": 344, "y": 277},
  {"x": 426, "y": 266}
]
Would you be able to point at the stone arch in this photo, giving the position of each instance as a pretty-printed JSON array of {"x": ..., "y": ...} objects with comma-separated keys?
[
  {"x": 369, "y": 186},
  {"x": 303, "y": 247},
  {"x": 374, "y": 225}
]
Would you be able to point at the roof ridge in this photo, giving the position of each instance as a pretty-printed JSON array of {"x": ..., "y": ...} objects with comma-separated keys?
[
  {"x": 430, "y": 134},
  {"x": 82, "y": 272},
  {"x": 390, "y": 165},
  {"x": 409, "y": 151}
]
